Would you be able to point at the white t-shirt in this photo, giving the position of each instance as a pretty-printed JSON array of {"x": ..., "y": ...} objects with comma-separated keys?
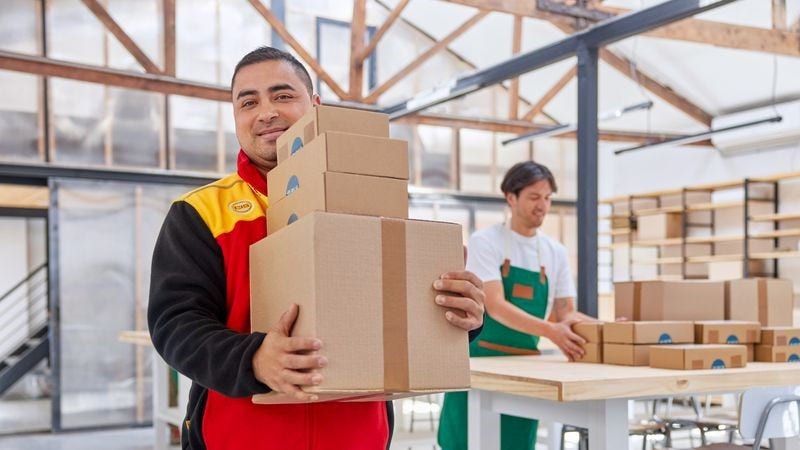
[{"x": 486, "y": 252}]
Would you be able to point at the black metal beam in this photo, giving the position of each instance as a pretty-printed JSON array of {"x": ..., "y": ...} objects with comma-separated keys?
[
  {"x": 38, "y": 175},
  {"x": 6, "y": 211}
]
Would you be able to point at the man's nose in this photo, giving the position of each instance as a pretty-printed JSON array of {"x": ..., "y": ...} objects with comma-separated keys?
[{"x": 267, "y": 112}]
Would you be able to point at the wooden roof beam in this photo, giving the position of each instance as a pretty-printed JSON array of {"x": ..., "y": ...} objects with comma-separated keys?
[
  {"x": 551, "y": 93},
  {"x": 779, "y": 15},
  {"x": 304, "y": 55},
  {"x": 358, "y": 28},
  {"x": 374, "y": 95},
  {"x": 168, "y": 11},
  {"x": 111, "y": 25},
  {"x": 382, "y": 30},
  {"x": 513, "y": 92}
]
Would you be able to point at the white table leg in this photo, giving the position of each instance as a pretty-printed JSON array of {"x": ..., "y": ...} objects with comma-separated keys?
[
  {"x": 483, "y": 423},
  {"x": 554, "y": 435},
  {"x": 608, "y": 424}
]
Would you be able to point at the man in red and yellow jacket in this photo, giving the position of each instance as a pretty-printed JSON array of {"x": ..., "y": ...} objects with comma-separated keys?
[{"x": 199, "y": 311}]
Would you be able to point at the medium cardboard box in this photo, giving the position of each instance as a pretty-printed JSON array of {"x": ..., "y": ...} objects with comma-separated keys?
[
  {"x": 670, "y": 300},
  {"x": 659, "y": 226},
  {"x": 661, "y": 332},
  {"x": 593, "y": 353},
  {"x": 626, "y": 354},
  {"x": 365, "y": 289},
  {"x": 591, "y": 331},
  {"x": 732, "y": 270},
  {"x": 329, "y": 118},
  {"x": 342, "y": 193},
  {"x": 727, "y": 332},
  {"x": 775, "y": 353},
  {"x": 766, "y": 300},
  {"x": 698, "y": 356},
  {"x": 340, "y": 152},
  {"x": 780, "y": 336}
]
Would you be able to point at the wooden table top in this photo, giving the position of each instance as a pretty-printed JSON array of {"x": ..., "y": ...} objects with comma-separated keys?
[
  {"x": 135, "y": 337},
  {"x": 552, "y": 377}
]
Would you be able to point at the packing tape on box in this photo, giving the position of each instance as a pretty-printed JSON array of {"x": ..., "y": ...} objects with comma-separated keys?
[
  {"x": 395, "y": 314},
  {"x": 637, "y": 301},
  {"x": 762, "y": 300}
]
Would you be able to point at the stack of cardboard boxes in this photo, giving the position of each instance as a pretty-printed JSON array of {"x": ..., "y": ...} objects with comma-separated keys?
[
  {"x": 778, "y": 344},
  {"x": 340, "y": 246}
]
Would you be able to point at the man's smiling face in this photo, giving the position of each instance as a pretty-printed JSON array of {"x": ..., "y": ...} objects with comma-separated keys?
[{"x": 268, "y": 97}]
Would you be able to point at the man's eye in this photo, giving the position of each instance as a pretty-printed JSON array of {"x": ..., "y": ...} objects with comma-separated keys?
[
  {"x": 283, "y": 97},
  {"x": 247, "y": 103}
]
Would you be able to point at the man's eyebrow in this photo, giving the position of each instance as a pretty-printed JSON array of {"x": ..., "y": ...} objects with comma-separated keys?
[
  {"x": 281, "y": 87},
  {"x": 245, "y": 93}
]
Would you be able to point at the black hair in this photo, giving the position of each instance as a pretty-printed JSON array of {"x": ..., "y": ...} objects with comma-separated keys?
[
  {"x": 265, "y": 53},
  {"x": 524, "y": 174}
]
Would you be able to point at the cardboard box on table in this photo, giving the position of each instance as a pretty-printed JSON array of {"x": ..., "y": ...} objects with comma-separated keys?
[
  {"x": 780, "y": 336},
  {"x": 364, "y": 286},
  {"x": 778, "y": 353},
  {"x": 659, "y": 226},
  {"x": 670, "y": 300},
  {"x": 626, "y": 354},
  {"x": 592, "y": 332},
  {"x": 751, "y": 352},
  {"x": 330, "y": 118},
  {"x": 698, "y": 356},
  {"x": 769, "y": 301},
  {"x": 593, "y": 353},
  {"x": 727, "y": 332},
  {"x": 628, "y": 343}
]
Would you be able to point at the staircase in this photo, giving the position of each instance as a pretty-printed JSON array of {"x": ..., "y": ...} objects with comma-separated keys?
[{"x": 24, "y": 341}]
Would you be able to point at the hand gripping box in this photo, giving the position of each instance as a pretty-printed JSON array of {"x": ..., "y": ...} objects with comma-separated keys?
[
  {"x": 766, "y": 300},
  {"x": 727, "y": 332},
  {"x": 365, "y": 289},
  {"x": 329, "y": 118},
  {"x": 698, "y": 356},
  {"x": 670, "y": 300}
]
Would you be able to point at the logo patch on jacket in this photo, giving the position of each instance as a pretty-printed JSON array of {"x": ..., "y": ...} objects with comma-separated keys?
[{"x": 241, "y": 206}]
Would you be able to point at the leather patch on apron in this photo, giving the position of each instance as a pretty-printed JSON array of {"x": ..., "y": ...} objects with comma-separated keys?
[
  {"x": 507, "y": 349},
  {"x": 522, "y": 291}
]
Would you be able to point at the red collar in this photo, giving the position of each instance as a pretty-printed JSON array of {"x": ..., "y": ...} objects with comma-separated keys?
[{"x": 249, "y": 173}]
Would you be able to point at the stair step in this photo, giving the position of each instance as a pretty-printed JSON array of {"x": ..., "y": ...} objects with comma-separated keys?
[
  {"x": 34, "y": 341},
  {"x": 11, "y": 360}
]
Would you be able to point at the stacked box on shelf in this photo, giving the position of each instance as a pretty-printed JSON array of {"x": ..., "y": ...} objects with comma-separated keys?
[
  {"x": 670, "y": 300},
  {"x": 592, "y": 332},
  {"x": 769, "y": 301},
  {"x": 629, "y": 343}
]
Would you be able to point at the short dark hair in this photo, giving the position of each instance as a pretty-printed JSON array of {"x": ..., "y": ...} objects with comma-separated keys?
[
  {"x": 524, "y": 174},
  {"x": 265, "y": 53}
]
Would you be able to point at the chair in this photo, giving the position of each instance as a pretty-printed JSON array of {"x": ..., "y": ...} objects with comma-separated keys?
[{"x": 765, "y": 413}]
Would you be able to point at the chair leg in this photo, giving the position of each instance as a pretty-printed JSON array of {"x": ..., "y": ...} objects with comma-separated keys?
[{"x": 563, "y": 435}]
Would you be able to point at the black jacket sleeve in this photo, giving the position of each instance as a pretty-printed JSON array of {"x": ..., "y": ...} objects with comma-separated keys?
[{"x": 187, "y": 309}]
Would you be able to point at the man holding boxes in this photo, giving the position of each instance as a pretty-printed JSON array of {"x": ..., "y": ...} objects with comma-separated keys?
[{"x": 199, "y": 311}]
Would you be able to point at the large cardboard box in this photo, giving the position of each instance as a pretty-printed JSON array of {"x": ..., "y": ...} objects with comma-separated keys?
[
  {"x": 780, "y": 336},
  {"x": 766, "y": 300},
  {"x": 593, "y": 353},
  {"x": 329, "y": 118},
  {"x": 698, "y": 356},
  {"x": 727, "y": 332},
  {"x": 365, "y": 289},
  {"x": 670, "y": 300},
  {"x": 659, "y": 226},
  {"x": 339, "y": 192},
  {"x": 626, "y": 354},
  {"x": 591, "y": 331},
  {"x": 662, "y": 332},
  {"x": 733, "y": 270},
  {"x": 775, "y": 353},
  {"x": 340, "y": 152}
]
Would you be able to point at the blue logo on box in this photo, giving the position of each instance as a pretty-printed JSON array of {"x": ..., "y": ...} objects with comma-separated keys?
[
  {"x": 292, "y": 185},
  {"x": 718, "y": 364},
  {"x": 665, "y": 338},
  {"x": 297, "y": 144},
  {"x": 794, "y": 341},
  {"x": 292, "y": 219},
  {"x": 732, "y": 339},
  {"x": 793, "y": 358}
]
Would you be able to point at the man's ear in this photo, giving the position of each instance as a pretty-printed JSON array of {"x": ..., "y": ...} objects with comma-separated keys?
[
  {"x": 316, "y": 100},
  {"x": 511, "y": 198}
]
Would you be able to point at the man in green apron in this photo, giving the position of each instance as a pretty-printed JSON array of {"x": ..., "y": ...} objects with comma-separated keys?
[{"x": 529, "y": 293}]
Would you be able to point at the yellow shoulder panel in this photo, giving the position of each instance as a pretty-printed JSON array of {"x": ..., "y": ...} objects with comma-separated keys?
[{"x": 225, "y": 202}]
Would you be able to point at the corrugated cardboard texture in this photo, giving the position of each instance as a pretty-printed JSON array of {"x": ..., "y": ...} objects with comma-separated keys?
[
  {"x": 769, "y": 353},
  {"x": 329, "y": 118},
  {"x": 342, "y": 193},
  {"x": 593, "y": 353},
  {"x": 768, "y": 301},
  {"x": 659, "y": 226},
  {"x": 345, "y": 153},
  {"x": 780, "y": 336},
  {"x": 591, "y": 331},
  {"x": 670, "y": 300},
  {"x": 661, "y": 332},
  {"x": 626, "y": 354},
  {"x": 727, "y": 332},
  {"x": 698, "y": 356},
  {"x": 395, "y": 306}
]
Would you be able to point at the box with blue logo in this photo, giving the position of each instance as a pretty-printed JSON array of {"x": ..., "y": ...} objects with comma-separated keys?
[
  {"x": 727, "y": 332},
  {"x": 330, "y": 118},
  {"x": 698, "y": 356},
  {"x": 780, "y": 336},
  {"x": 643, "y": 332},
  {"x": 778, "y": 353}
]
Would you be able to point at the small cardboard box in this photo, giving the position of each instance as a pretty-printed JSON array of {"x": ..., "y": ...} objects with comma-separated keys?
[
  {"x": 727, "y": 332},
  {"x": 593, "y": 353},
  {"x": 670, "y": 300},
  {"x": 365, "y": 289},
  {"x": 342, "y": 193},
  {"x": 661, "y": 332},
  {"x": 766, "y": 300},
  {"x": 340, "y": 152},
  {"x": 659, "y": 226},
  {"x": 626, "y": 354},
  {"x": 698, "y": 356},
  {"x": 329, "y": 118},
  {"x": 775, "y": 353},
  {"x": 591, "y": 331},
  {"x": 780, "y": 336}
]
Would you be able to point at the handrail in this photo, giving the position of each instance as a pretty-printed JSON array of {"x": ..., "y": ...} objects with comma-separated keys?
[{"x": 25, "y": 280}]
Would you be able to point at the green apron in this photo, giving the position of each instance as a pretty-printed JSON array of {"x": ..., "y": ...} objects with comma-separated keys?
[{"x": 527, "y": 290}]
